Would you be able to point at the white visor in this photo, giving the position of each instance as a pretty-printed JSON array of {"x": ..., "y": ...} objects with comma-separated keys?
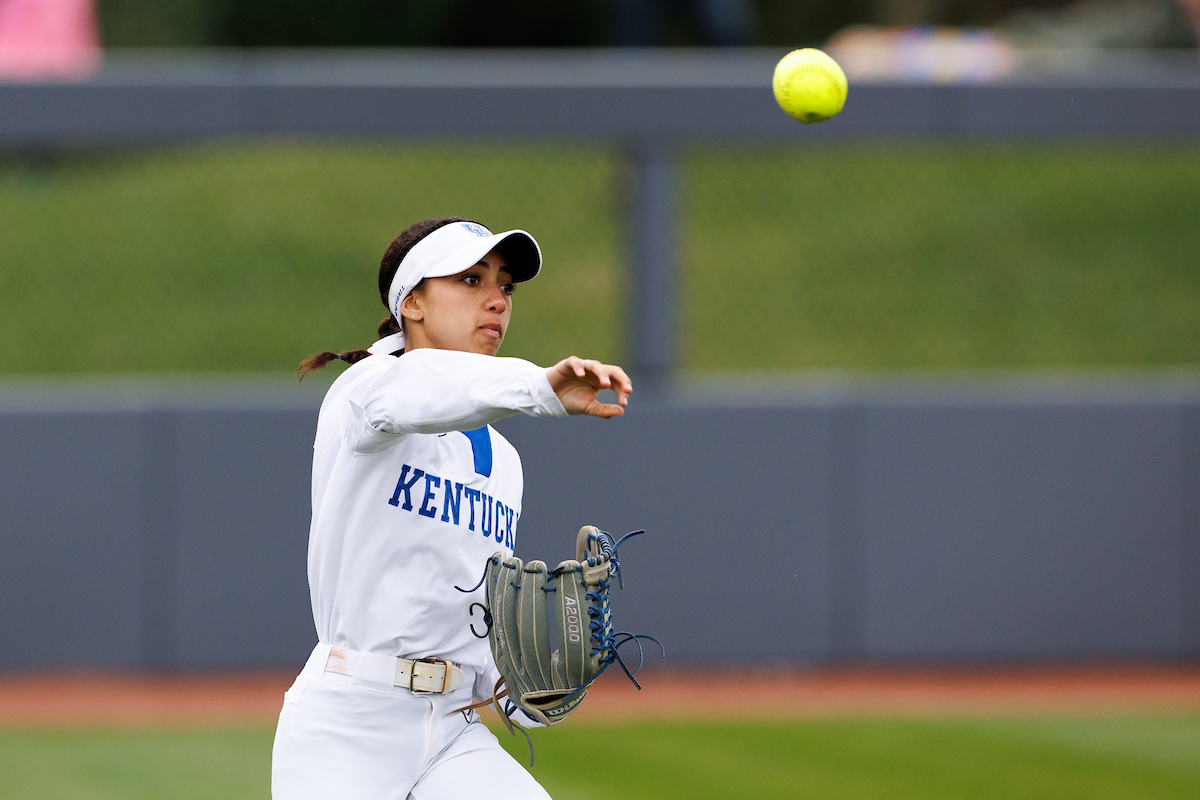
[{"x": 448, "y": 251}]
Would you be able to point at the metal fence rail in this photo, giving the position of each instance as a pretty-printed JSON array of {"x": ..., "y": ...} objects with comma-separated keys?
[{"x": 147, "y": 98}]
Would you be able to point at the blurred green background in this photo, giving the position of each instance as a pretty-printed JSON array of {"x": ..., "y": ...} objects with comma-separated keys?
[
  {"x": 1116, "y": 758},
  {"x": 249, "y": 256}
]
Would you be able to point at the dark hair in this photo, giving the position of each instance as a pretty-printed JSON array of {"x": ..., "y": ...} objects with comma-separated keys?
[{"x": 392, "y": 257}]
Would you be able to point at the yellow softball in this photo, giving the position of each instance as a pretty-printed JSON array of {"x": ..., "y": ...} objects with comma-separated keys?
[{"x": 809, "y": 85}]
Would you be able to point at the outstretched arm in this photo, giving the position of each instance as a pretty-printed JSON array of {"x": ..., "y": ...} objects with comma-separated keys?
[
  {"x": 577, "y": 382},
  {"x": 435, "y": 391}
]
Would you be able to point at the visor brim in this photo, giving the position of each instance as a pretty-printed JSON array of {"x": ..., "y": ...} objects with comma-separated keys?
[{"x": 521, "y": 254}]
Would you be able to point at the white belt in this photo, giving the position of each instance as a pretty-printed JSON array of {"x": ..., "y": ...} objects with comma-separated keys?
[{"x": 422, "y": 676}]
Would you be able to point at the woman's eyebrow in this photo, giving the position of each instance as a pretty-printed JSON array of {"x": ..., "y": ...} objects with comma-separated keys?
[{"x": 503, "y": 270}]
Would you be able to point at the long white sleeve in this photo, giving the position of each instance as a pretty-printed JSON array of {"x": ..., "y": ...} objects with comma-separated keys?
[{"x": 436, "y": 391}]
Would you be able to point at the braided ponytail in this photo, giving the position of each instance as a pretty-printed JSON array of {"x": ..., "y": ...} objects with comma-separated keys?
[{"x": 395, "y": 253}]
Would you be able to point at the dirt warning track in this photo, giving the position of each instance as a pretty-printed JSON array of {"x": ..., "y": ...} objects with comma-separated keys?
[{"x": 88, "y": 700}]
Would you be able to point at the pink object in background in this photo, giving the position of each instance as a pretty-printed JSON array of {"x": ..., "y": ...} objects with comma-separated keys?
[
  {"x": 915, "y": 53},
  {"x": 48, "y": 40}
]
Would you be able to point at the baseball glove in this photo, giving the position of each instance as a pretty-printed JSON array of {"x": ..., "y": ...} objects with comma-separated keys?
[{"x": 525, "y": 601}]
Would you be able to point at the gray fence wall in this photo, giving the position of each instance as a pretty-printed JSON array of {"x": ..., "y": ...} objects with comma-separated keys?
[
  {"x": 887, "y": 523},
  {"x": 622, "y": 95}
]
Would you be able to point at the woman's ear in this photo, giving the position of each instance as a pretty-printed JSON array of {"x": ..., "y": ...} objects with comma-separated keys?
[{"x": 411, "y": 307}]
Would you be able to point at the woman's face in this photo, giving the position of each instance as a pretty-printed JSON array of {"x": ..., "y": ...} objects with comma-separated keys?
[{"x": 468, "y": 311}]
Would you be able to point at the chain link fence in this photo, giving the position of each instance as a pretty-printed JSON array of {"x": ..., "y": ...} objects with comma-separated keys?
[
  {"x": 943, "y": 256},
  {"x": 247, "y": 256}
]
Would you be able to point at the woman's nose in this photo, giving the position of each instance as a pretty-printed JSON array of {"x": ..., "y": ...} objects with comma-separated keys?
[{"x": 497, "y": 300}]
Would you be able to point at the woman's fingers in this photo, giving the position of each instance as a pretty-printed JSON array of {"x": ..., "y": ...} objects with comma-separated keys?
[
  {"x": 580, "y": 381},
  {"x": 626, "y": 384},
  {"x": 594, "y": 370},
  {"x": 603, "y": 410},
  {"x": 613, "y": 377},
  {"x": 621, "y": 384},
  {"x": 573, "y": 365}
]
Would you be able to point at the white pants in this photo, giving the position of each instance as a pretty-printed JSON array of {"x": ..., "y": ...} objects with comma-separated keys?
[{"x": 346, "y": 737}]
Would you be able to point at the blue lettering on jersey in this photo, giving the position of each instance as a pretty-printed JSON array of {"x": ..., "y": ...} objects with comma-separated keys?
[
  {"x": 431, "y": 482},
  {"x": 472, "y": 496},
  {"x": 495, "y": 518},
  {"x": 402, "y": 486},
  {"x": 481, "y": 449},
  {"x": 500, "y": 517},
  {"x": 485, "y": 517},
  {"x": 452, "y": 502}
]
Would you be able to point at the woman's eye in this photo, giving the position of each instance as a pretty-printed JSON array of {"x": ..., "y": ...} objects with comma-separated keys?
[
  {"x": 472, "y": 280},
  {"x": 508, "y": 288}
]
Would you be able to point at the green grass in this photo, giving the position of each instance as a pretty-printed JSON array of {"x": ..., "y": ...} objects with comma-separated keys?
[
  {"x": 234, "y": 258},
  {"x": 124, "y": 765},
  {"x": 1056, "y": 759},
  {"x": 919, "y": 257},
  {"x": 868, "y": 759},
  {"x": 228, "y": 257}
]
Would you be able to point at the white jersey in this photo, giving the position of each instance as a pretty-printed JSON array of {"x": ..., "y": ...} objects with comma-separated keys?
[{"x": 412, "y": 490}]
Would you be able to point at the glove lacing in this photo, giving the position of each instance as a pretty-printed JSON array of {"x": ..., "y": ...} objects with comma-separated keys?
[{"x": 606, "y": 642}]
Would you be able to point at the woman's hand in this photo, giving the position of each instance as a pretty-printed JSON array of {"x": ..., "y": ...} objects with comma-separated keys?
[{"x": 577, "y": 381}]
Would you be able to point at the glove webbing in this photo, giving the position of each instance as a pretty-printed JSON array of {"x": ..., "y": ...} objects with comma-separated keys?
[{"x": 559, "y": 679}]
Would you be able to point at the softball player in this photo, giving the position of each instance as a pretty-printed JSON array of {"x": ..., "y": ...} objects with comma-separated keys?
[{"x": 412, "y": 491}]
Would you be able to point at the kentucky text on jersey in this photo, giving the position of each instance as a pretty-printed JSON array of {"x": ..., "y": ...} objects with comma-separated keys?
[{"x": 494, "y": 518}]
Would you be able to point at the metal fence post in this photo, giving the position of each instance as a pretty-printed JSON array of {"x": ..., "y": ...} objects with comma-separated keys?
[{"x": 653, "y": 264}]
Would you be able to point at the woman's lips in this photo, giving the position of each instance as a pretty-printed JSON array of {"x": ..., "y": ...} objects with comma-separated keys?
[{"x": 491, "y": 329}]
